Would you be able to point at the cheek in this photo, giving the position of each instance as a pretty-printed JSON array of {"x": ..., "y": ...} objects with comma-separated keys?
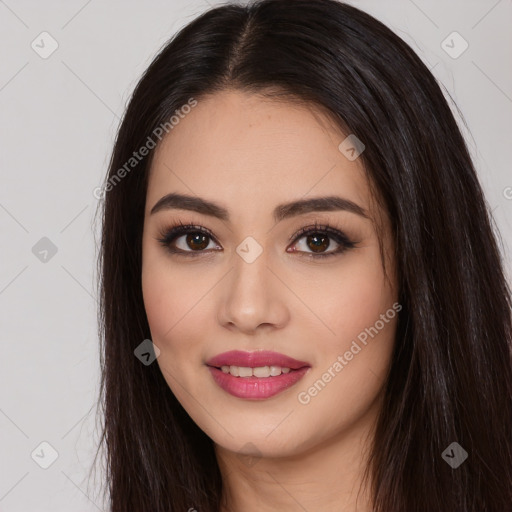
[
  {"x": 173, "y": 309},
  {"x": 172, "y": 301},
  {"x": 354, "y": 351},
  {"x": 345, "y": 302},
  {"x": 359, "y": 304}
]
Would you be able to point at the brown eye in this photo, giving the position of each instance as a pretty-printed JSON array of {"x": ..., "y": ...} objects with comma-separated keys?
[
  {"x": 319, "y": 238},
  {"x": 197, "y": 241},
  {"x": 186, "y": 240},
  {"x": 190, "y": 240},
  {"x": 318, "y": 242}
]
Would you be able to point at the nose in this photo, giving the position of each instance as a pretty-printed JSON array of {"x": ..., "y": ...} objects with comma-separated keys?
[{"x": 253, "y": 297}]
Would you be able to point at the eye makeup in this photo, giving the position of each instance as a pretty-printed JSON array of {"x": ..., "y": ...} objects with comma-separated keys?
[{"x": 320, "y": 235}]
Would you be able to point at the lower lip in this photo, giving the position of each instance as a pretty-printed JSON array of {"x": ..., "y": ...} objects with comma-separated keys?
[{"x": 256, "y": 388}]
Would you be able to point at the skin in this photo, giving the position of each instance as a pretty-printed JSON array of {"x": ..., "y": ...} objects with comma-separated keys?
[{"x": 250, "y": 154}]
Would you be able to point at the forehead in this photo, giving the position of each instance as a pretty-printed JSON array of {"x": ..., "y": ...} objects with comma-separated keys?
[{"x": 251, "y": 153}]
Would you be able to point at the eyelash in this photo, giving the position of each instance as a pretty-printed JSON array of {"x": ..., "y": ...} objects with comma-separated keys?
[{"x": 169, "y": 234}]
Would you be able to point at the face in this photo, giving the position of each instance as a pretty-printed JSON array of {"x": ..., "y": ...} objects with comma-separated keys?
[{"x": 257, "y": 273}]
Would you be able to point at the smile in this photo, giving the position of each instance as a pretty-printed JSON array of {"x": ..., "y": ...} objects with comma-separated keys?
[{"x": 255, "y": 375}]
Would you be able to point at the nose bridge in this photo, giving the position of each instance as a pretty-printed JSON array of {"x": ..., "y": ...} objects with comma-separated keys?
[
  {"x": 249, "y": 280},
  {"x": 251, "y": 297}
]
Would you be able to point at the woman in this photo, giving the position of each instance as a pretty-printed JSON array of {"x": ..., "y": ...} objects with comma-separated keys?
[{"x": 303, "y": 301}]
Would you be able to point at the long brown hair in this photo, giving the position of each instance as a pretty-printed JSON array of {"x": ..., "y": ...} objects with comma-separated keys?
[{"x": 451, "y": 374}]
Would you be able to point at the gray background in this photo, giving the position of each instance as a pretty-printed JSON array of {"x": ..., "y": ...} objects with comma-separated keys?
[{"x": 58, "y": 120}]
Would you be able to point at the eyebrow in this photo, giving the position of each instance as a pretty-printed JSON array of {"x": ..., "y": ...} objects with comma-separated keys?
[{"x": 281, "y": 212}]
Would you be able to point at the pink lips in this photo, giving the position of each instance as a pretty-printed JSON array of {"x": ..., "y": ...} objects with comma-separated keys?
[{"x": 256, "y": 388}]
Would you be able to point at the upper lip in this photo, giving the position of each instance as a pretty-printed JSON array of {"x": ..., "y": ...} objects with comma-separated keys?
[{"x": 255, "y": 360}]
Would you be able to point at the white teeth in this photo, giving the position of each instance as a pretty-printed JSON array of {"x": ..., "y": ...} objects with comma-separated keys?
[
  {"x": 263, "y": 371},
  {"x": 243, "y": 371},
  {"x": 260, "y": 371},
  {"x": 275, "y": 371}
]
